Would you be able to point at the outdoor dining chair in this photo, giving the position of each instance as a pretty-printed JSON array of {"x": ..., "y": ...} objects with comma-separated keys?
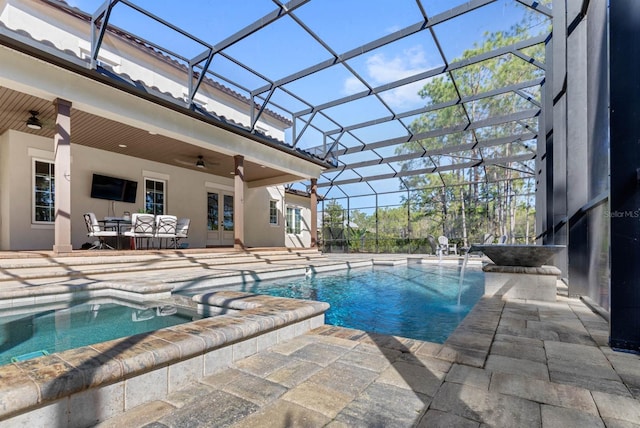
[
  {"x": 166, "y": 228},
  {"x": 182, "y": 230},
  {"x": 142, "y": 226},
  {"x": 95, "y": 231}
]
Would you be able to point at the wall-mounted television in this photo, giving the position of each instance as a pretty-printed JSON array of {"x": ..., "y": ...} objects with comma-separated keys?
[{"x": 113, "y": 189}]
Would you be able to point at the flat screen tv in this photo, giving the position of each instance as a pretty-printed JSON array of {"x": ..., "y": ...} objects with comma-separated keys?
[{"x": 113, "y": 189}]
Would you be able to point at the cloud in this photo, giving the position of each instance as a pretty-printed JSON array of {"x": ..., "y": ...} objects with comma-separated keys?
[{"x": 381, "y": 69}]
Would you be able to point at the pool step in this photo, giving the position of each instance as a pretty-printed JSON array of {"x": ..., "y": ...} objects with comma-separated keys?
[
  {"x": 68, "y": 267},
  {"x": 155, "y": 278}
]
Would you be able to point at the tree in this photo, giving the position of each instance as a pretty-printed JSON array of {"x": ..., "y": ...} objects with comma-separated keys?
[{"x": 487, "y": 202}]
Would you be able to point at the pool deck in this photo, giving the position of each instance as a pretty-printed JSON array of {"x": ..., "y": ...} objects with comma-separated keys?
[{"x": 511, "y": 363}]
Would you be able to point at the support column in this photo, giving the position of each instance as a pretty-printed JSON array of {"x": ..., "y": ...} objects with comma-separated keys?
[
  {"x": 238, "y": 205},
  {"x": 314, "y": 213},
  {"x": 62, "y": 159},
  {"x": 624, "y": 16}
]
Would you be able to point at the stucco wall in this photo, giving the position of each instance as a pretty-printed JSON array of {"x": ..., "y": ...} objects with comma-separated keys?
[
  {"x": 258, "y": 231},
  {"x": 4, "y": 190},
  {"x": 304, "y": 238},
  {"x": 22, "y": 234}
]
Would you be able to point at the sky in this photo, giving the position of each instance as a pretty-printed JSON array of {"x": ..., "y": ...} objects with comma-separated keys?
[{"x": 283, "y": 48}]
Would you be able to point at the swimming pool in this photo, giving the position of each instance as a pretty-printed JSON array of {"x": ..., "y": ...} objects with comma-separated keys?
[
  {"x": 417, "y": 301},
  {"x": 33, "y": 334}
]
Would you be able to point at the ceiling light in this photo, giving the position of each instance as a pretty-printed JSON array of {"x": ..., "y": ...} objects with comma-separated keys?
[
  {"x": 124, "y": 146},
  {"x": 200, "y": 162},
  {"x": 33, "y": 122}
]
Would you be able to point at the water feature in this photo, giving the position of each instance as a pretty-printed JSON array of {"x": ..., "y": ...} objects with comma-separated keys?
[
  {"x": 517, "y": 271},
  {"x": 518, "y": 255},
  {"x": 461, "y": 280}
]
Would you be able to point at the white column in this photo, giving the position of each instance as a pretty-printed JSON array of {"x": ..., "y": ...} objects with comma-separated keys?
[
  {"x": 238, "y": 203},
  {"x": 314, "y": 212},
  {"x": 62, "y": 159}
]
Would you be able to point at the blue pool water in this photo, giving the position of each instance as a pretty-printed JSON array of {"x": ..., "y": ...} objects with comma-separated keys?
[
  {"x": 23, "y": 336},
  {"x": 417, "y": 301}
]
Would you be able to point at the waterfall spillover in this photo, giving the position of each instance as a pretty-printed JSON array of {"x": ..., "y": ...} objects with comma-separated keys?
[{"x": 464, "y": 266}]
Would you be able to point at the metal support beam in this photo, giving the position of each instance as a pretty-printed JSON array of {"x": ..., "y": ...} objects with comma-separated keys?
[
  {"x": 624, "y": 16},
  {"x": 99, "y": 23}
]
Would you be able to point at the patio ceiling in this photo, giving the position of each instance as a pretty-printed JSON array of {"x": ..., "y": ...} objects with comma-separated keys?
[
  {"x": 346, "y": 101},
  {"x": 100, "y": 133}
]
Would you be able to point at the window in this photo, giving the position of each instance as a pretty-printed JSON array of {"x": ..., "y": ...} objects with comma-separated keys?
[
  {"x": 227, "y": 213},
  {"x": 293, "y": 220},
  {"x": 273, "y": 212},
  {"x": 212, "y": 211},
  {"x": 154, "y": 196},
  {"x": 44, "y": 195}
]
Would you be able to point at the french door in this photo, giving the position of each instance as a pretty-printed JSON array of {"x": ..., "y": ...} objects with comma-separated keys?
[{"x": 219, "y": 218}]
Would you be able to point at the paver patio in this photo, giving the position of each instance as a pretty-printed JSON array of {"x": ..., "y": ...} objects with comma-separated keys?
[{"x": 509, "y": 364}]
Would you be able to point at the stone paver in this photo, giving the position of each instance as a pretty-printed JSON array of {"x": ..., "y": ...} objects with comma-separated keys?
[
  {"x": 414, "y": 377},
  {"x": 616, "y": 407},
  {"x": 519, "y": 366},
  {"x": 294, "y": 372},
  {"x": 472, "y": 376},
  {"x": 569, "y": 418},
  {"x": 218, "y": 409},
  {"x": 519, "y": 350},
  {"x": 489, "y": 408},
  {"x": 438, "y": 419},
  {"x": 283, "y": 414},
  {"x": 254, "y": 389},
  {"x": 319, "y": 398},
  {"x": 344, "y": 378},
  {"x": 559, "y": 395},
  {"x": 383, "y": 405}
]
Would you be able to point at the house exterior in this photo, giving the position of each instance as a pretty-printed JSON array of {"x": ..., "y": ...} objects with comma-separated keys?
[{"x": 132, "y": 116}]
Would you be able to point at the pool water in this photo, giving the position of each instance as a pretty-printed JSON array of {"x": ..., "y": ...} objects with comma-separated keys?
[
  {"x": 36, "y": 334},
  {"x": 417, "y": 301}
]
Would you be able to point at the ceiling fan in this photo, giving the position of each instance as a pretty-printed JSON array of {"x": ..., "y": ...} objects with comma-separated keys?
[
  {"x": 36, "y": 122},
  {"x": 200, "y": 161},
  {"x": 33, "y": 122}
]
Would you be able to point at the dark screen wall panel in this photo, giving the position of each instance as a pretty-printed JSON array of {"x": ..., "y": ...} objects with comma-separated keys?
[{"x": 624, "y": 24}]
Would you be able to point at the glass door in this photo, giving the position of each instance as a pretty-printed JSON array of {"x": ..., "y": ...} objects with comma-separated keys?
[{"x": 219, "y": 219}]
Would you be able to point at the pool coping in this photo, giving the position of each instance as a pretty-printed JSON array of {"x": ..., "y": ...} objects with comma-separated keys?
[{"x": 148, "y": 366}]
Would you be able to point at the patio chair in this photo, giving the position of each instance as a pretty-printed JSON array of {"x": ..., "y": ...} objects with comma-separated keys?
[
  {"x": 443, "y": 245},
  {"x": 446, "y": 247},
  {"x": 142, "y": 226},
  {"x": 488, "y": 238},
  {"x": 182, "y": 230},
  {"x": 95, "y": 231},
  {"x": 502, "y": 239},
  {"x": 165, "y": 228}
]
